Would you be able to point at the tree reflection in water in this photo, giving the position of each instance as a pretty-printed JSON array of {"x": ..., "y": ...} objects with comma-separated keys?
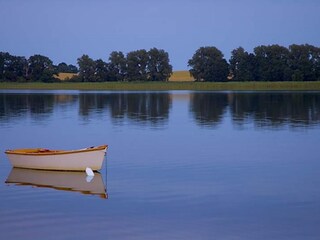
[
  {"x": 208, "y": 108},
  {"x": 136, "y": 107},
  {"x": 264, "y": 109},
  {"x": 39, "y": 106},
  {"x": 276, "y": 109}
]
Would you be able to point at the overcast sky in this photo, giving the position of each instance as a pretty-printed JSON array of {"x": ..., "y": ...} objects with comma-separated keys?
[{"x": 63, "y": 30}]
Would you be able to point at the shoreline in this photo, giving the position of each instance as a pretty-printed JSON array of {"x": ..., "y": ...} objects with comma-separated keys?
[{"x": 166, "y": 86}]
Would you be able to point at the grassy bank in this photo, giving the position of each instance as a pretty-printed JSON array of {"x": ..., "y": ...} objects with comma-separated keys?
[{"x": 244, "y": 86}]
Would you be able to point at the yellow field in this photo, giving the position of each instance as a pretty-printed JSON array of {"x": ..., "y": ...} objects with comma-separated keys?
[
  {"x": 181, "y": 76},
  {"x": 65, "y": 76},
  {"x": 177, "y": 76}
]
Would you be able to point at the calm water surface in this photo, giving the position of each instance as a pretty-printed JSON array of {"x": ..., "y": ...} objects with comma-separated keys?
[{"x": 181, "y": 165}]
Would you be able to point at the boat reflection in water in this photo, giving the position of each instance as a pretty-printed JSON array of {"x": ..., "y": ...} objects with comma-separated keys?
[{"x": 59, "y": 180}]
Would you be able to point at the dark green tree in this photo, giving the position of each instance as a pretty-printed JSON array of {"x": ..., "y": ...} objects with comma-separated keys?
[
  {"x": 73, "y": 68},
  {"x": 62, "y": 67},
  {"x": 208, "y": 64},
  {"x": 280, "y": 70},
  {"x": 40, "y": 68},
  {"x": 65, "y": 68},
  {"x": 316, "y": 62},
  {"x": 101, "y": 73},
  {"x": 117, "y": 66},
  {"x": 272, "y": 63},
  {"x": 18, "y": 68},
  {"x": 2, "y": 64},
  {"x": 12, "y": 68},
  {"x": 159, "y": 68},
  {"x": 242, "y": 65},
  {"x": 87, "y": 68},
  {"x": 2, "y": 60},
  {"x": 137, "y": 62},
  {"x": 304, "y": 62}
]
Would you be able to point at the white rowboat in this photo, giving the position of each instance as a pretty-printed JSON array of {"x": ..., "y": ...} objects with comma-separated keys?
[{"x": 71, "y": 160}]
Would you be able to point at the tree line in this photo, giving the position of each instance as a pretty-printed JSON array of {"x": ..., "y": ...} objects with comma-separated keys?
[
  {"x": 277, "y": 63},
  {"x": 265, "y": 63},
  {"x": 36, "y": 68},
  {"x": 140, "y": 65}
]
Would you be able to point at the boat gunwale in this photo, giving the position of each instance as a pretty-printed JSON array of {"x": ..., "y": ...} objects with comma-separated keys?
[{"x": 47, "y": 152}]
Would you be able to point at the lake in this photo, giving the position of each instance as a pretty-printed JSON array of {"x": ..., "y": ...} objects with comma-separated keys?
[{"x": 180, "y": 165}]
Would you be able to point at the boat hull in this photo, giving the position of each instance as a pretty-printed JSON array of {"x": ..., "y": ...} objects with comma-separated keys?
[{"x": 77, "y": 160}]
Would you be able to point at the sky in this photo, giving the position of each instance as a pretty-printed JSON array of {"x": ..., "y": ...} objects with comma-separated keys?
[{"x": 64, "y": 30}]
